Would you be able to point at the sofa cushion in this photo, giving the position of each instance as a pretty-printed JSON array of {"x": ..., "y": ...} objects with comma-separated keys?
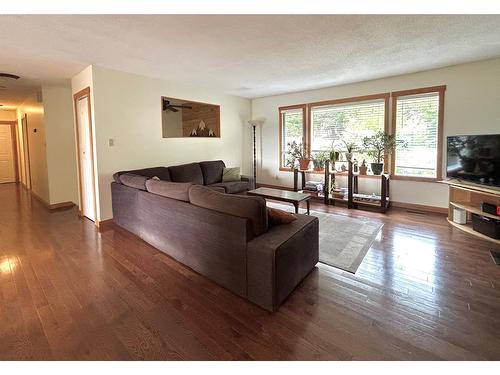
[
  {"x": 161, "y": 172},
  {"x": 220, "y": 189},
  {"x": 186, "y": 173},
  {"x": 233, "y": 187},
  {"x": 174, "y": 190},
  {"x": 231, "y": 174},
  {"x": 212, "y": 171},
  {"x": 133, "y": 180},
  {"x": 251, "y": 208}
]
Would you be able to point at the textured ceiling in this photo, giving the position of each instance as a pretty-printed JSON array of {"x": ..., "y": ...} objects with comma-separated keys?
[{"x": 249, "y": 56}]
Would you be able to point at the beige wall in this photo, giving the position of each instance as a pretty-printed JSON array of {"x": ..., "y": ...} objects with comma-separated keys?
[
  {"x": 471, "y": 107},
  {"x": 37, "y": 146},
  {"x": 60, "y": 139},
  {"x": 128, "y": 110}
]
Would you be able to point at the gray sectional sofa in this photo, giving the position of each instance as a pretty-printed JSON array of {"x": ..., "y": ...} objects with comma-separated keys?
[
  {"x": 225, "y": 237},
  {"x": 208, "y": 173}
]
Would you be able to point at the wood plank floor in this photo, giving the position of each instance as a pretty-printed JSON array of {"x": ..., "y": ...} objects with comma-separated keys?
[{"x": 424, "y": 291}]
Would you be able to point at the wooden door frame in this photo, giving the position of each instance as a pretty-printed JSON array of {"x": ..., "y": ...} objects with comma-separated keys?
[
  {"x": 80, "y": 95},
  {"x": 14, "y": 146},
  {"x": 27, "y": 162}
]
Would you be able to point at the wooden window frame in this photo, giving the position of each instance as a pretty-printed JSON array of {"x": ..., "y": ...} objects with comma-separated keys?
[
  {"x": 303, "y": 107},
  {"x": 354, "y": 99},
  {"x": 439, "y": 159}
]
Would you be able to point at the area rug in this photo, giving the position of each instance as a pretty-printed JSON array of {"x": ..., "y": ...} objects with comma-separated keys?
[{"x": 343, "y": 241}]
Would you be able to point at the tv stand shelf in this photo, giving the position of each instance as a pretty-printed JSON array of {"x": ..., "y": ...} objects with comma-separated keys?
[{"x": 468, "y": 197}]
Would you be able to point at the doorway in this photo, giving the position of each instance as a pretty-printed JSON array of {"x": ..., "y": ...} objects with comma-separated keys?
[
  {"x": 86, "y": 176},
  {"x": 8, "y": 152}
]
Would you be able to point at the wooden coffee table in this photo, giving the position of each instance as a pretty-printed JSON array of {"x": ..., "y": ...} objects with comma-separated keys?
[{"x": 283, "y": 196}]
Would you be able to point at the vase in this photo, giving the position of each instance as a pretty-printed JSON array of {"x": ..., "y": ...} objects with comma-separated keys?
[{"x": 363, "y": 169}]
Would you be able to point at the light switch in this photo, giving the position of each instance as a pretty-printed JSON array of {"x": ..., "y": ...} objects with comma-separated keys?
[{"x": 111, "y": 142}]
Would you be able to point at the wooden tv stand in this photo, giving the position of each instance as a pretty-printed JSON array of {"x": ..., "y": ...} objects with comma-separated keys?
[{"x": 469, "y": 196}]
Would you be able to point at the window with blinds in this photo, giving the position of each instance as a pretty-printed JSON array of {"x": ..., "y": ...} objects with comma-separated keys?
[
  {"x": 292, "y": 129},
  {"x": 349, "y": 122},
  {"x": 417, "y": 123}
]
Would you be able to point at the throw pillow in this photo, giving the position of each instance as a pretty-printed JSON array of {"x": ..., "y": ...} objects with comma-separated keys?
[
  {"x": 279, "y": 217},
  {"x": 174, "y": 190},
  {"x": 133, "y": 180},
  {"x": 231, "y": 174}
]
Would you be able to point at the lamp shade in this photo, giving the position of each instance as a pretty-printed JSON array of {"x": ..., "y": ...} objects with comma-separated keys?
[{"x": 258, "y": 122}]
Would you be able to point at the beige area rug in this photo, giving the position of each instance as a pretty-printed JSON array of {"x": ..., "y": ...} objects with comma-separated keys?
[{"x": 343, "y": 241}]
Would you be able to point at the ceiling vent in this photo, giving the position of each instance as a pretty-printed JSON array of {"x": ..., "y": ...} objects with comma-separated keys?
[{"x": 8, "y": 75}]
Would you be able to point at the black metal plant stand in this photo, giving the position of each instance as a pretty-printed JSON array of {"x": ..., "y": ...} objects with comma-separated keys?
[{"x": 254, "y": 157}]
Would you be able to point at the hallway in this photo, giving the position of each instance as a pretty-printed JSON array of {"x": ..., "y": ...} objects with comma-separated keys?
[{"x": 68, "y": 291}]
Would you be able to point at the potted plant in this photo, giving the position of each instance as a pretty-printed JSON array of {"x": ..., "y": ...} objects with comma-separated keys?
[
  {"x": 333, "y": 156},
  {"x": 319, "y": 160},
  {"x": 350, "y": 147},
  {"x": 363, "y": 168},
  {"x": 379, "y": 146},
  {"x": 295, "y": 151}
]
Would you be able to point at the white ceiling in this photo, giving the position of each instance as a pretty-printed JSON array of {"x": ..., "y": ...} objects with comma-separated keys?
[{"x": 249, "y": 56}]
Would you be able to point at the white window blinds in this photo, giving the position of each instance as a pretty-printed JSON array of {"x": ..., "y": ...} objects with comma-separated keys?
[
  {"x": 417, "y": 119},
  {"x": 350, "y": 122},
  {"x": 292, "y": 129}
]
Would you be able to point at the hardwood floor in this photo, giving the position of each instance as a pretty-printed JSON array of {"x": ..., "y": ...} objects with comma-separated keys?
[{"x": 424, "y": 291}]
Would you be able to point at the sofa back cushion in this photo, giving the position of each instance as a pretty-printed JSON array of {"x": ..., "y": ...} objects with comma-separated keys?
[
  {"x": 251, "y": 208},
  {"x": 161, "y": 172},
  {"x": 212, "y": 171},
  {"x": 186, "y": 173},
  {"x": 174, "y": 190},
  {"x": 133, "y": 180}
]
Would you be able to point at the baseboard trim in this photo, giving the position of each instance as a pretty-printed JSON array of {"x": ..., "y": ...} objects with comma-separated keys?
[
  {"x": 408, "y": 206},
  {"x": 274, "y": 187},
  {"x": 104, "y": 224},
  {"x": 420, "y": 208},
  {"x": 38, "y": 198},
  {"x": 55, "y": 206}
]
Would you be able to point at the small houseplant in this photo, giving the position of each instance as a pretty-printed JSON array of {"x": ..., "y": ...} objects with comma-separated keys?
[
  {"x": 319, "y": 160},
  {"x": 350, "y": 147},
  {"x": 333, "y": 156},
  {"x": 295, "y": 151},
  {"x": 379, "y": 146}
]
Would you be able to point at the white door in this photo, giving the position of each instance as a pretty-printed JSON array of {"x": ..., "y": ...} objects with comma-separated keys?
[
  {"x": 86, "y": 170},
  {"x": 7, "y": 166}
]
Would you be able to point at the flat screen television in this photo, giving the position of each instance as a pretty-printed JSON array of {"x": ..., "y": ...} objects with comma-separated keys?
[{"x": 474, "y": 158}]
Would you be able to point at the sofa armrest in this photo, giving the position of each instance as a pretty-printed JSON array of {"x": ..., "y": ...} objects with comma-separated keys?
[
  {"x": 277, "y": 261},
  {"x": 250, "y": 180}
]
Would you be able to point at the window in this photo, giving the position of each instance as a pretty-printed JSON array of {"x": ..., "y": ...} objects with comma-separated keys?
[
  {"x": 417, "y": 120},
  {"x": 292, "y": 128},
  {"x": 348, "y": 120}
]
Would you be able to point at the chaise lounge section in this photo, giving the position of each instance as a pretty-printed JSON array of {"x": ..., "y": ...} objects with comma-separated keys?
[{"x": 223, "y": 237}]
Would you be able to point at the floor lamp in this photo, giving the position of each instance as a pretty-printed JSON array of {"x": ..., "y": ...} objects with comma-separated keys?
[{"x": 254, "y": 124}]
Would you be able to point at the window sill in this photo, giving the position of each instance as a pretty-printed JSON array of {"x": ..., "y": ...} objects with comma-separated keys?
[{"x": 414, "y": 178}]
